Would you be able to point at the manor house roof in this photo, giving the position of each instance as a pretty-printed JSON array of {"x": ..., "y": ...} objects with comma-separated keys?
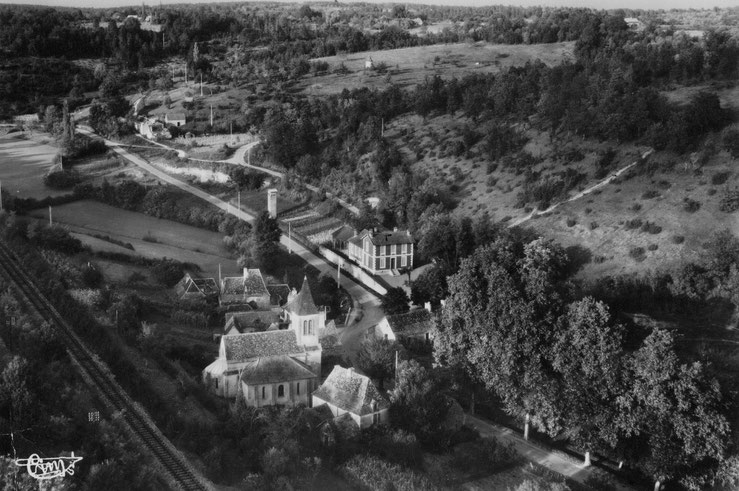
[{"x": 352, "y": 392}]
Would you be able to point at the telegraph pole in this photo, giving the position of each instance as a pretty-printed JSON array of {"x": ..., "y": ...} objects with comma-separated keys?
[{"x": 50, "y": 223}]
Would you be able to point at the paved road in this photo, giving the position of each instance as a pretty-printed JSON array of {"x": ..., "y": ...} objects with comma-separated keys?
[
  {"x": 582, "y": 193},
  {"x": 534, "y": 453},
  {"x": 370, "y": 305}
]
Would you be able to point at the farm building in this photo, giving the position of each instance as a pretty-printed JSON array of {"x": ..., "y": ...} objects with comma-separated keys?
[
  {"x": 347, "y": 392},
  {"x": 175, "y": 119},
  {"x": 189, "y": 288},
  {"x": 415, "y": 326},
  {"x": 247, "y": 289},
  {"x": 382, "y": 252}
]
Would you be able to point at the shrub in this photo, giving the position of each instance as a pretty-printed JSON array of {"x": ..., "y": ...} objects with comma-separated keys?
[
  {"x": 691, "y": 205},
  {"x": 729, "y": 201},
  {"x": 571, "y": 222},
  {"x": 636, "y": 207},
  {"x": 370, "y": 472},
  {"x": 720, "y": 178},
  {"x": 593, "y": 225},
  {"x": 652, "y": 247},
  {"x": 633, "y": 224},
  {"x": 711, "y": 191},
  {"x": 638, "y": 254},
  {"x": 678, "y": 239},
  {"x": 649, "y": 194},
  {"x": 167, "y": 272},
  {"x": 61, "y": 179},
  {"x": 650, "y": 227}
]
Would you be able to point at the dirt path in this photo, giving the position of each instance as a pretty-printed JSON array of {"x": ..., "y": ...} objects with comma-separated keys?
[
  {"x": 582, "y": 193},
  {"x": 551, "y": 460}
]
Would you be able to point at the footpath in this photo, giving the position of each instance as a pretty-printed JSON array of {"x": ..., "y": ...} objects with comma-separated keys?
[{"x": 553, "y": 461}]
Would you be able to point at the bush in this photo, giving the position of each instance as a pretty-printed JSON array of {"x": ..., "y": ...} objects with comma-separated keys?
[
  {"x": 720, "y": 178},
  {"x": 636, "y": 207},
  {"x": 650, "y": 227},
  {"x": 652, "y": 247},
  {"x": 167, "y": 272},
  {"x": 633, "y": 224},
  {"x": 649, "y": 194},
  {"x": 691, "y": 205},
  {"x": 678, "y": 239},
  {"x": 61, "y": 179},
  {"x": 571, "y": 222},
  {"x": 593, "y": 225},
  {"x": 370, "y": 472},
  {"x": 729, "y": 201},
  {"x": 638, "y": 254}
]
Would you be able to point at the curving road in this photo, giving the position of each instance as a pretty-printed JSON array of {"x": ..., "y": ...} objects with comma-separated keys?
[{"x": 351, "y": 336}]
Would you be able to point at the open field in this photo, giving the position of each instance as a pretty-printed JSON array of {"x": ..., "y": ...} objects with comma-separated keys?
[
  {"x": 409, "y": 66},
  {"x": 151, "y": 237},
  {"x": 23, "y": 164}
]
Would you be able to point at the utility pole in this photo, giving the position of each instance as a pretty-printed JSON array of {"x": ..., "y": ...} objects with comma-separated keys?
[
  {"x": 338, "y": 274},
  {"x": 185, "y": 74},
  {"x": 239, "y": 199},
  {"x": 201, "y": 85},
  {"x": 211, "y": 115},
  {"x": 289, "y": 238},
  {"x": 382, "y": 127},
  {"x": 50, "y": 223},
  {"x": 1, "y": 195}
]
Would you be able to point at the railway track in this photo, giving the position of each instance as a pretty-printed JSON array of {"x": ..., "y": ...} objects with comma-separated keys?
[{"x": 98, "y": 375}]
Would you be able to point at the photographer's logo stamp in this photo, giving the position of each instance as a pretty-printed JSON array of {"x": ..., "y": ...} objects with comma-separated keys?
[{"x": 50, "y": 467}]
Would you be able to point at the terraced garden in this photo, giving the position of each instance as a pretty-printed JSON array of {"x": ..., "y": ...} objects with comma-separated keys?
[{"x": 312, "y": 225}]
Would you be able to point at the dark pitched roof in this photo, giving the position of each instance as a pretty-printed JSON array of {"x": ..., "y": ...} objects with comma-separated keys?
[
  {"x": 206, "y": 285},
  {"x": 242, "y": 347},
  {"x": 391, "y": 237},
  {"x": 237, "y": 288},
  {"x": 318, "y": 414},
  {"x": 274, "y": 369},
  {"x": 416, "y": 321},
  {"x": 303, "y": 303},
  {"x": 386, "y": 237},
  {"x": 278, "y": 294},
  {"x": 245, "y": 320},
  {"x": 350, "y": 391},
  {"x": 176, "y": 116}
]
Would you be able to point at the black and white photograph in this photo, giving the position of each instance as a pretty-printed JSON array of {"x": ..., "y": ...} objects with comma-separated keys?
[{"x": 353, "y": 245}]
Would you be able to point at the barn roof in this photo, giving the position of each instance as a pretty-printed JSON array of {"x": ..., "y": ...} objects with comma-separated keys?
[{"x": 352, "y": 392}]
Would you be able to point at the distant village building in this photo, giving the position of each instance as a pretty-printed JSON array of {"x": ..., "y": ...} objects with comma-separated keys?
[
  {"x": 175, "y": 119},
  {"x": 346, "y": 392},
  {"x": 369, "y": 64},
  {"x": 415, "y": 326},
  {"x": 634, "y": 23},
  {"x": 341, "y": 236},
  {"x": 382, "y": 252},
  {"x": 152, "y": 129},
  {"x": 272, "y": 367}
]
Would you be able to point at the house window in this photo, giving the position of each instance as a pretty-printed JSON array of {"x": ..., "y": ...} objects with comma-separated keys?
[
  {"x": 281, "y": 391},
  {"x": 402, "y": 261},
  {"x": 310, "y": 327},
  {"x": 305, "y": 327},
  {"x": 427, "y": 337},
  {"x": 375, "y": 418},
  {"x": 298, "y": 388},
  {"x": 382, "y": 263},
  {"x": 216, "y": 383},
  {"x": 385, "y": 337},
  {"x": 264, "y": 392}
]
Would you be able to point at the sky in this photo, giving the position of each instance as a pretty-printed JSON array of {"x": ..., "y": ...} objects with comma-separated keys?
[{"x": 597, "y": 4}]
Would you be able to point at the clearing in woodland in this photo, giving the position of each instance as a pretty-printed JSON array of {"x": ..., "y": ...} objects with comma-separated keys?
[{"x": 410, "y": 66}]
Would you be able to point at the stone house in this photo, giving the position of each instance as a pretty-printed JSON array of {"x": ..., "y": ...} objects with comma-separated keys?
[
  {"x": 247, "y": 289},
  {"x": 347, "y": 392},
  {"x": 382, "y": 252}
]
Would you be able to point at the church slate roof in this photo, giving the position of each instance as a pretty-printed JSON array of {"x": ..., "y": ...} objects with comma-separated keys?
[
  {"x": 303, "y": 303},
  {"x": 274, "y": 369},
  {"x": 350, "y": 391},
  {"x": 243, "y": 347}
]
